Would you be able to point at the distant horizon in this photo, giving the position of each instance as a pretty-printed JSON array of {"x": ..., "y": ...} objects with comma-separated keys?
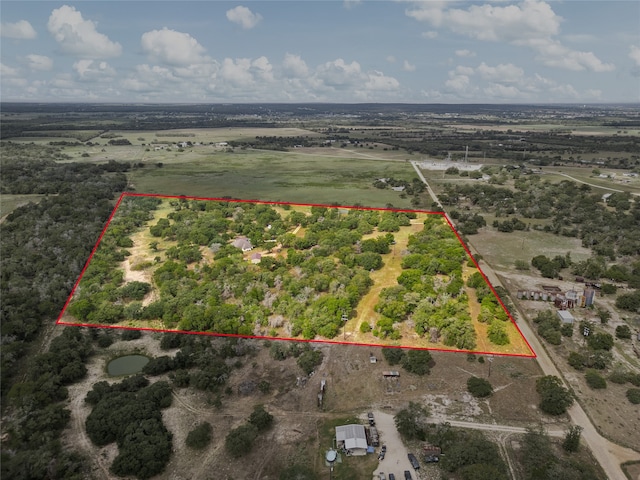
[{"x": 106, "y": 102}]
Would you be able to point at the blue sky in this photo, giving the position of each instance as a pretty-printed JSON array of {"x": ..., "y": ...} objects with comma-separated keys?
[{"x": 321, "y": 51}]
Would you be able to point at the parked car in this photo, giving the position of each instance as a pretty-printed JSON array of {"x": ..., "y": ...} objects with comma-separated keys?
[
  {"x": 392, "y": 476},
  {"x": 381, "y": 476},
  {"x": 384, "y": 448},
  {"x": 372, "y": 420},
  {"x": 414, "y": 461},
  {"x": 407, "y": 475}
]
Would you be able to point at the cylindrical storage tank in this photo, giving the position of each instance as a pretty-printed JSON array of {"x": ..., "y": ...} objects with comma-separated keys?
[{"x": 545, "y": 296}]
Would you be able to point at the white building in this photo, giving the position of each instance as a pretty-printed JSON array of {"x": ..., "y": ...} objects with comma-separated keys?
[
  {"x": 565, "y": 317},
  {"x": 353, "y": 438}
]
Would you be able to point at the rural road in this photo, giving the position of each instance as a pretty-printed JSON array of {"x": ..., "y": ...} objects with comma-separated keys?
[
  {"x": 592, "y": 184},
  {"x": 607, "y": 453}
]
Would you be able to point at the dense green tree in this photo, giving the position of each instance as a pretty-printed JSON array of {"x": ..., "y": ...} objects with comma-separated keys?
[
  {"x": 554, "y": 398},
  {"x": 417, "y": 361},
  {"x": 200, "y": 436},
  {"x": 623, "y": 332},
  {"x": 479, "y": 387},
  {"x": 571, "y": 441},
  {"x": 239, "y": 441},
  {"x": 393, "y": 356},
  {"x": 411, "y": 422},
  {"x": 600, "y": 341},
  {"x": 261, "y": 418},
  {"x": 309, "y": 360}
]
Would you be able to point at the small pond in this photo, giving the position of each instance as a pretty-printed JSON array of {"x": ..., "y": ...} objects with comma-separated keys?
[{"x": 127, "y": 365}]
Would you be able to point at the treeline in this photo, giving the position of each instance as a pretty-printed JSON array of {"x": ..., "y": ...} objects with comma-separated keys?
[
  {"x": 36, "y": 415},
  {"x": 45, "y": 247}
]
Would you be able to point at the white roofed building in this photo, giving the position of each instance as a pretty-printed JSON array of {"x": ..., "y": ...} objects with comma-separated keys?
[{"x": 353, "y": 438}]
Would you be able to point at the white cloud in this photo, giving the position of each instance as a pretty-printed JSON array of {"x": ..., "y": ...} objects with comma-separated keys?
[
  {"x": 531, "y": 23},
  {"x": 430, "y": 34},
  {"x": 237, "y": 71},
  {"x": 508, "y": 82},
  {"x": 294, "y": 66},
  {"x": 263, "y": 68},
  {"x": 465, "y": 53},
  {"x": 431, "y": 12},
  {"x": 553, "y": 54},
  {"x": 408, "y": 67},
  {"x": 243, "y": 17},
  {"x": 7, "y": 71},
  {"x": 94, "y": 70},
  {"x": 634, "y": 54},
  {"x": 349, "y": 4},
  {"x": 503, "y": 73},
  {"x": 530, "y": 19},
  {"x": 172, "y": 47},
  {"x": 458, "y": 84},
  {"x": 78, "y": 36},
  {"x": 338, "y": 73},
  {"x": 378, "y": 81},
  {"x": 21, "y": 30},
  {"x": 39, "y": 62}
]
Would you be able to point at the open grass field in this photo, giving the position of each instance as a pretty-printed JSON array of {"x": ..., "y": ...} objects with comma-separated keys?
[
  {"x": 274, "y": 176},
  {"x": 9, "y": 202},
  {"x": 501, "y": 250}
]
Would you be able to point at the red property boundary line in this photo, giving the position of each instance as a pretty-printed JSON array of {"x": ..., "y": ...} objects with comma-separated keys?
[{"x": 214, "y": 334}]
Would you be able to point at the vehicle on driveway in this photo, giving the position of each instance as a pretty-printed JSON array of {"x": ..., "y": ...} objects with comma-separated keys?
[
  {"x": 407, "y": 475},
  {"x": 381, "y": 476},
  {"x": 414, "y": 461},
  {"x": 372, "y": 420},
  {"x": 392, "y": 476}
]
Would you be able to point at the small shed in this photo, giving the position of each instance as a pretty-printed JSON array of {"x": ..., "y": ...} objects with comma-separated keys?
[
  {"x": 390, "y": 373},
  {"x": 565, "y": 317},
  {"x": 256, "y": 258}
]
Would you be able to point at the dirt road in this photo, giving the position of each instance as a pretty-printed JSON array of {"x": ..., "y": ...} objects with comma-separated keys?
[{"x": 607, "y": 453}]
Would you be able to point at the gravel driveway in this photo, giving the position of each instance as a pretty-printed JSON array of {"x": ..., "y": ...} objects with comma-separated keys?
[{"x": 395, "y": 461}]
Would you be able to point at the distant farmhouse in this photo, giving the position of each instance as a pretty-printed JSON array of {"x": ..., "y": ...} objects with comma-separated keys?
[{"x": 243, "y": 243}]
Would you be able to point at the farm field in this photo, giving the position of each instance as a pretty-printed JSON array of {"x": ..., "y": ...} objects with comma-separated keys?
[{"x": 291, "y": 271}]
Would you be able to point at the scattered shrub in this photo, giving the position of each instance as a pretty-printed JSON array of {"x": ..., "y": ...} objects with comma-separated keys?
[
  {"x": 633, "y": 395},
  {"x": 200, "y": 436},
  {"x": 479, "y": 387},
  {"x": 595, "y": 380}
]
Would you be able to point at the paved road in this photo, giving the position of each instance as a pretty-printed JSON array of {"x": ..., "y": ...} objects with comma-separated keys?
[{"x": 607, "y": 453}]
